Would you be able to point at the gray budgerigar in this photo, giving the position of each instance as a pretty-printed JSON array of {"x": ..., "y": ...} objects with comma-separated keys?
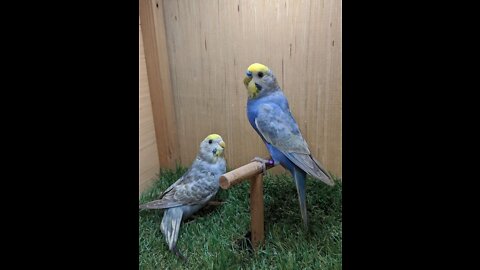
[{"x": 192, "y": 191}]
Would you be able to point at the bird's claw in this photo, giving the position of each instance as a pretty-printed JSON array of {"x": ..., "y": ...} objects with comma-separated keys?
[
  {"x": 264, "y": 163},
  {"x": 215, "y": 203},
  {"x": 178, "y": 254}
]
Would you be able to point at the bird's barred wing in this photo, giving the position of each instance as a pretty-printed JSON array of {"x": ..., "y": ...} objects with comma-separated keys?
[
  {"x": 190, "y": 189},
  {"x": 280, "y": 129}
]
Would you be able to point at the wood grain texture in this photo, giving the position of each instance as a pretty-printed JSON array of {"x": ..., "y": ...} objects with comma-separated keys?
[
  {"x": 257, "y": 211},
  {"x": 156, "y": 55},
  {"x": 212, "y": 42},
  {"x": 241, "y": 174},
  {"x": 148, "y": 163}
]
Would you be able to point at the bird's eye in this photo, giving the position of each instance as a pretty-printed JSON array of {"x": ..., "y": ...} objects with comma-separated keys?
[
  {"x": 210, "y": 141},
  {"x": 260, "y": 74}
]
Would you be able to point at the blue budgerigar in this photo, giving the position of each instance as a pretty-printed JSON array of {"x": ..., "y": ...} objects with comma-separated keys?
[{"x": 269, "y": 114}]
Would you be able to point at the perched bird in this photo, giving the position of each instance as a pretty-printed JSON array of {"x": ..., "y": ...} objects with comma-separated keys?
[
  {"x": 192, "y": 191},
  {"x": 269, "y": 114}
]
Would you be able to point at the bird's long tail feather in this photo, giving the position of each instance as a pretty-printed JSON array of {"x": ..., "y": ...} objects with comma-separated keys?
[
  {"x": 171, "y": 227},
  {"x": 300, "y": 178}
]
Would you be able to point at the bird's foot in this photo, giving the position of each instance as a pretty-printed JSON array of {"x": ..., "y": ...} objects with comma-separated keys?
[
  {"x": 265, "y": 162},
  {"x": 178, "y": 254},
  {"x": 215, "y": 203}
]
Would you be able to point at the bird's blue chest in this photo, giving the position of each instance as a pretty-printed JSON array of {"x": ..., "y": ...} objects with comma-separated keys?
[
  {"x": 254, "y": 105},
  {"x": 252, "y": 112}
]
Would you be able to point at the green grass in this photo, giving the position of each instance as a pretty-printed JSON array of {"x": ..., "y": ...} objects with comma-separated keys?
[{"x": 214, "y": 237}]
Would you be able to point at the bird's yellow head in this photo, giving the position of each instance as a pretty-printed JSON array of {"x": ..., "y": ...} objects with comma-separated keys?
[
  {"x": 212, "y": 147},
  {"x": 259, "y": 77},
  {"x": 256, "y": 68}
]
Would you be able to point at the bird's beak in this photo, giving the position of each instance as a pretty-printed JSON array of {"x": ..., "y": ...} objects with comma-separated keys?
[
  {"x": 246, "y": 81},
  {"x": 219, "y": 151}
]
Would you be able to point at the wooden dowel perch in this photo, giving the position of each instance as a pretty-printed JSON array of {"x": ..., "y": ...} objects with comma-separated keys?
[{"x": 254, "y": 172}]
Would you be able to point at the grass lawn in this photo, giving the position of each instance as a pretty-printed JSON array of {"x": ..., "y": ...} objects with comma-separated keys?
[{"x": 214, "y": 237}]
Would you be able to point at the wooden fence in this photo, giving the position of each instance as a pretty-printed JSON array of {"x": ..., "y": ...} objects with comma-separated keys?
[{"x": 196, "y": 55}]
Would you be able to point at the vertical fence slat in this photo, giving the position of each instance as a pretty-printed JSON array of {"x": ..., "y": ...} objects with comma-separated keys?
[{"x": 156, "y": 54}]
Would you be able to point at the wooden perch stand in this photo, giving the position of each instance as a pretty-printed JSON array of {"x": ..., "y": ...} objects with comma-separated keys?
[{"x": 254, "y": 172}]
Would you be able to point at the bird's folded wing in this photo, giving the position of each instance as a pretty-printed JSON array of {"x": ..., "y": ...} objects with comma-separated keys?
[
  {"x": 186, "y": 192},
  {"x": 279, "y": 128}
]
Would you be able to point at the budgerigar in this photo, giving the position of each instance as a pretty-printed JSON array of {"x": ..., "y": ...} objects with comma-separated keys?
[
  {"x": 269, "y": 114},
  {"x": 192, "y": 191}
]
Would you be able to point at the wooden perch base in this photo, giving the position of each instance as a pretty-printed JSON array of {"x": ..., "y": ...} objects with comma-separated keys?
[
  {"x": 254, "y": 172},
  {"x": 256, "y": 210}
]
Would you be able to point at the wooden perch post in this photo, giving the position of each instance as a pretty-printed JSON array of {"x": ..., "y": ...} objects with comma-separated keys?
[{"x": 254, "y": 172}]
